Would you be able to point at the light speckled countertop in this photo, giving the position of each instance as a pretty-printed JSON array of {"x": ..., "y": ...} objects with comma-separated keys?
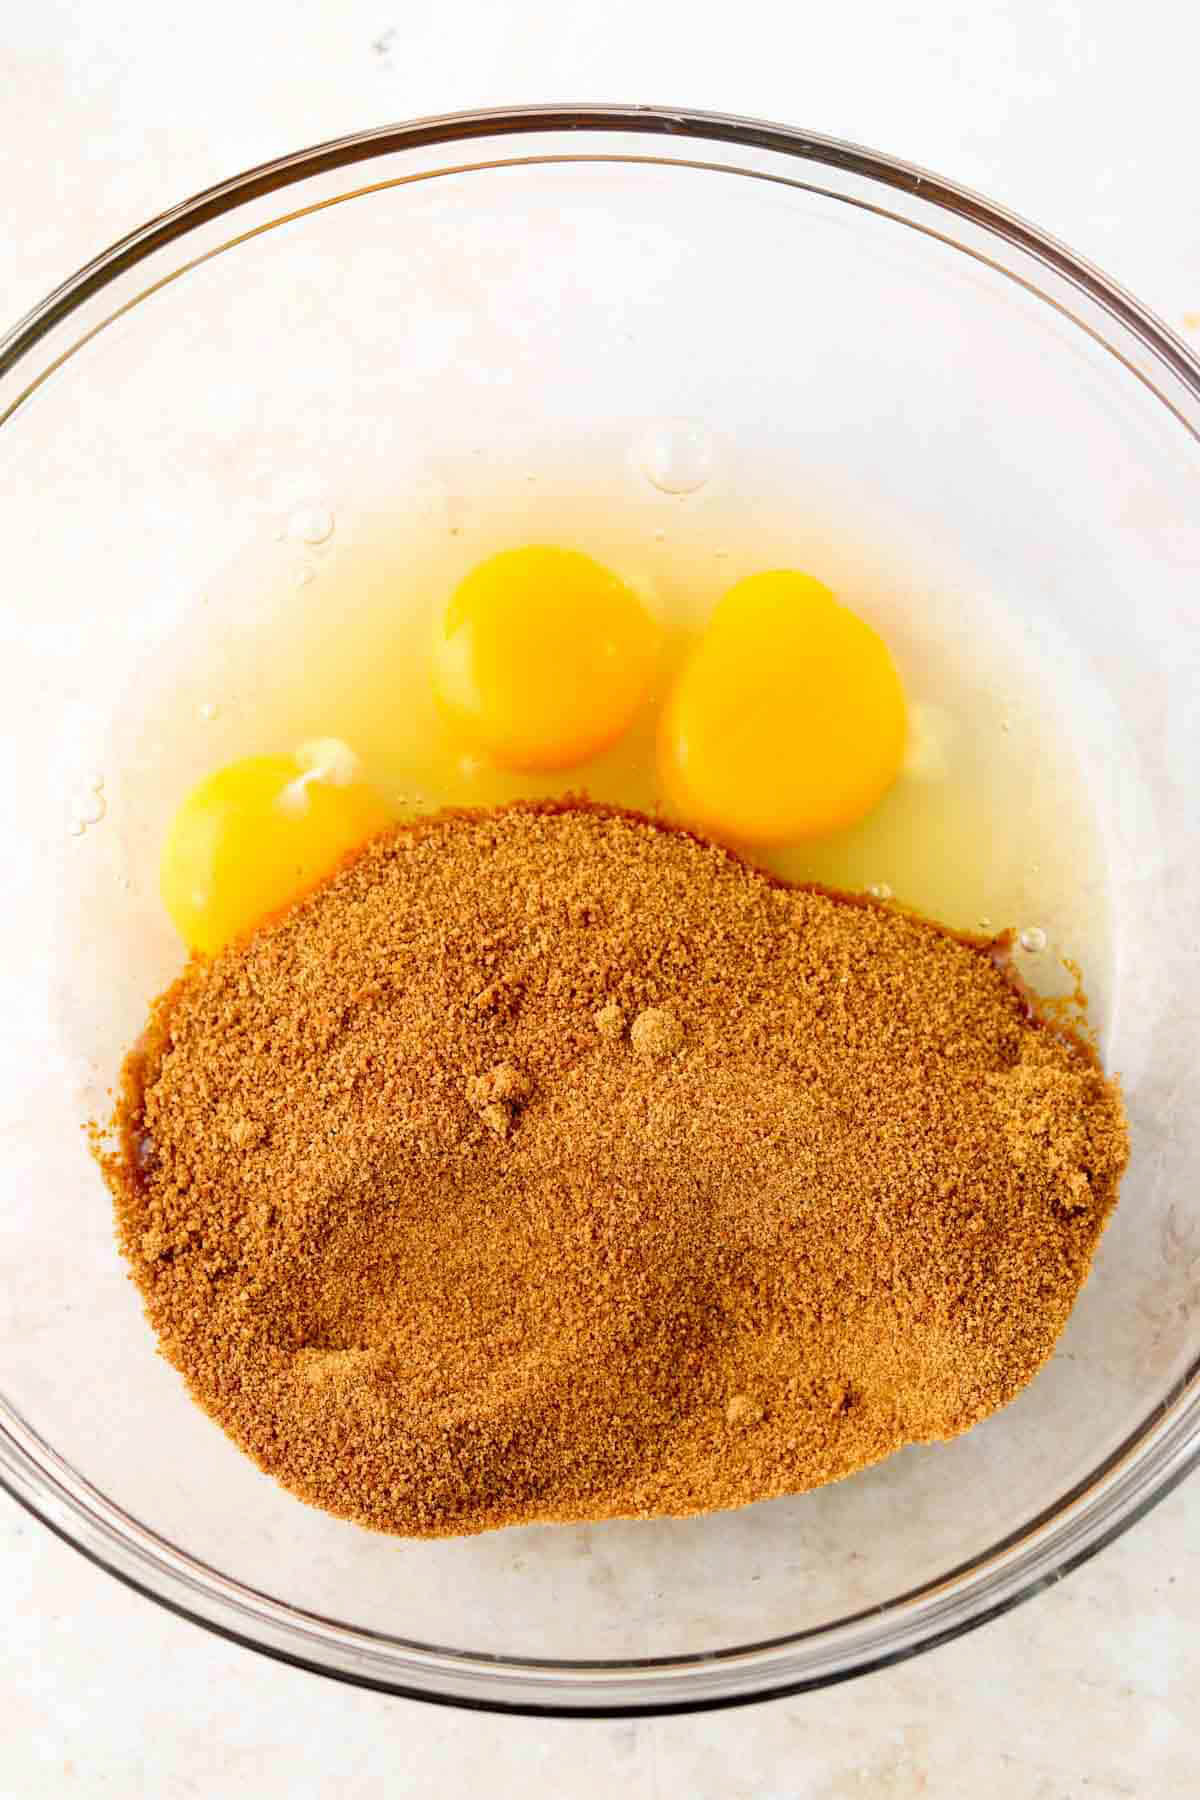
[{"x": 1075, "y": 114}]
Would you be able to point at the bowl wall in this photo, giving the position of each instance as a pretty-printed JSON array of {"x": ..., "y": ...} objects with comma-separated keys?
[{"x": 421, "y": 310}]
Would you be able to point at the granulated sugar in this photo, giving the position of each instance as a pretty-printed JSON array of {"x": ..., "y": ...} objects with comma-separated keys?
[{"x": 551, "y": 1164}]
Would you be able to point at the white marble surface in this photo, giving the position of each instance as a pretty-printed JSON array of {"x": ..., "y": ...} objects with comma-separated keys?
[{"x": 1075, "y": 113}]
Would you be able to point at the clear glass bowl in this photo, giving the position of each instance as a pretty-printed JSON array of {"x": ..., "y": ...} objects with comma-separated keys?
[{"x": 428, "y": 291}]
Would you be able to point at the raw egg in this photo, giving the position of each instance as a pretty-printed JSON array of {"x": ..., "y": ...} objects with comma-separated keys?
[
  {"x": 542, "y": 658},
  {"x": 787, "y": 721},
  {"x": 255, "y": 835}
]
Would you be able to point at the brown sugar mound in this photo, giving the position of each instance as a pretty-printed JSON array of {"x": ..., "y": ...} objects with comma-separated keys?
[{"x": 551, "y": 1164}]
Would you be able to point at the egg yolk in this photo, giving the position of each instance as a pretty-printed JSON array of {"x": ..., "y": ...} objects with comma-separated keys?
[
  {"x": 787, "y": 721},
  {"x": 542, "y": 658},
  {"x": 255, "y": 835}
]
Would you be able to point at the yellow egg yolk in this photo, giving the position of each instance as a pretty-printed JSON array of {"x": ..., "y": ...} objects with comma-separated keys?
[
  {"x": 255, "y": 835},
  {"x": 788, "y": 719},
  {"x": 542, "y": 658}
]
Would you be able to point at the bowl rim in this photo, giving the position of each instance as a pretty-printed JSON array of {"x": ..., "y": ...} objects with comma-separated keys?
[{"x": 1124, "y": 1485}]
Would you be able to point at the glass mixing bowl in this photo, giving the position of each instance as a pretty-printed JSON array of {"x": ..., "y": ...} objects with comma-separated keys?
[{"x": 428, "y": 293}]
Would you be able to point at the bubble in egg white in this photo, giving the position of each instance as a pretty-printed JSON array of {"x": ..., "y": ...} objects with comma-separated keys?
[
  {"x": 880, "y": 890},
  {"x": 676, "y": 455},
  {"x": 1033, "y": 939},
  {"x": 89, "y": 808}
]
